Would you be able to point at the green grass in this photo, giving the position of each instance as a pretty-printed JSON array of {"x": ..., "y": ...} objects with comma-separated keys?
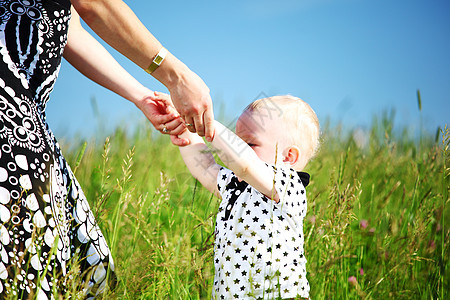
[{"x": 379, "y": 213}]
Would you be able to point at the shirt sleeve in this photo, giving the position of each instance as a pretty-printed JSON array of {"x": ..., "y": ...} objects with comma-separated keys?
[
  {"x": 223, "y": 178},
  {"x": 290, "y": 188}
]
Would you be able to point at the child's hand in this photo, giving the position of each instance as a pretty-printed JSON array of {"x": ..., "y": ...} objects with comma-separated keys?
[
  {"x": 160, "y": 111},
  {"x": 187, "y": 136}
]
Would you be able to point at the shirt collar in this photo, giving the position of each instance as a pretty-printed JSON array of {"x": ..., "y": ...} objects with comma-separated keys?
[{"x": 304, "y": 177}]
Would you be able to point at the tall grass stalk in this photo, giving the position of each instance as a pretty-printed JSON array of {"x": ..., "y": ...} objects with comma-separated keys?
[{"x": 445, "y": 199}]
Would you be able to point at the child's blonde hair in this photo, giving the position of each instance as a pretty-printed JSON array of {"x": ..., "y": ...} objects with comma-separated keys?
[{"x": 302, "y": 127}]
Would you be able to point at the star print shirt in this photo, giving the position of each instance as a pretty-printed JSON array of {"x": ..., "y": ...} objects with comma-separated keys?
[{"x": 258, "y": 242}]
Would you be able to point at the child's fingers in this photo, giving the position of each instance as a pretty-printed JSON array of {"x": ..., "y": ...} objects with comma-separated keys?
[
  {"x": 161, "y": 95},
  {"x": 179, "y": 141},
  {"x": 165, "y": 101}
]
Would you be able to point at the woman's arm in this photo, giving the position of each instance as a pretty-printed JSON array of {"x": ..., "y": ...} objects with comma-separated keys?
[
  {"x": 89, "y": 57},
  {"x": 116, "y": 23}
]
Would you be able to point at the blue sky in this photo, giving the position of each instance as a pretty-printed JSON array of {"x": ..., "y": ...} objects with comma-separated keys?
[{"x": 349, "y": 59}]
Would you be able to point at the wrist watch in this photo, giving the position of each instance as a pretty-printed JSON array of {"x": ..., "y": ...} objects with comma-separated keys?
[{"x": 157, "y": 60}]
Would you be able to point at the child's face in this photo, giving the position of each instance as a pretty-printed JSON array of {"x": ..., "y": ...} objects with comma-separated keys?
[{"x": 263, "y": 134}]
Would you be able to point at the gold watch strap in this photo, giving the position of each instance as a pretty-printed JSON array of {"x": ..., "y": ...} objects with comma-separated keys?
[{"x": 157, "y": 60}]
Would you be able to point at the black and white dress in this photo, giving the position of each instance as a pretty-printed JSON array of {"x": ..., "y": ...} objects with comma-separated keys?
[
  {"x": 258, "y": 250},
  {"x": 45, "y": 220}
]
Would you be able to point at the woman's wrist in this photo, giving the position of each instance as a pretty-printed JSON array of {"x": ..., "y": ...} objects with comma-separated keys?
[
  {"x": 140, "y": 96},
  {"x": 171, "y": 72},
  {"x": 139, "y": 93}
]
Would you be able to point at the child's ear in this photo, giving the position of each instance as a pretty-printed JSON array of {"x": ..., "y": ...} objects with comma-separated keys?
[{"x": 292, "y": 155}]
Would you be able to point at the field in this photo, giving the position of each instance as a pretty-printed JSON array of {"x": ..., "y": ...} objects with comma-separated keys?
[{"x": 377, "y": 225}]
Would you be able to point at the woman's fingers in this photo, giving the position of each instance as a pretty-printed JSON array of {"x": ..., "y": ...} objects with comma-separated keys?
[
  {"x": 160, "y": 120},
  {"x": 178, "y": 130},
  {"x": 201, "y": 122},
  {"x": 208, "y": 120},
  {"x": 198, "y": 125},
  {"x": 192, "y": 99},
  {"x": 190, "y": 125},
  {"x": 173, "y": 127}
]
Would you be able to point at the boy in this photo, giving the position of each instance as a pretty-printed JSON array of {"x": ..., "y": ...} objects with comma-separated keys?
[{"x": 259, "y": 225}]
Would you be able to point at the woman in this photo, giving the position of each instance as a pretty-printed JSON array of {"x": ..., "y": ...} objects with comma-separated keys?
[{"x": 46, "y": 224}]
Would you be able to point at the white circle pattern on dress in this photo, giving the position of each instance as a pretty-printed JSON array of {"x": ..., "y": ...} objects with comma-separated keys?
[{"x": 38, "y": 191}]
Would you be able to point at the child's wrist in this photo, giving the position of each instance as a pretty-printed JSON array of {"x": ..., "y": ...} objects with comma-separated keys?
[
  {"x": 192, "y": 137},
  {"x": 186, "y": 134}
]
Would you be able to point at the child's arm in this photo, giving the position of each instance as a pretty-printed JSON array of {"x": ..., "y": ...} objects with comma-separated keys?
[
  {"x": 243, "y": 161},
  {"x": 234, "y": 153},
  {"x": 200, "y": 162}
]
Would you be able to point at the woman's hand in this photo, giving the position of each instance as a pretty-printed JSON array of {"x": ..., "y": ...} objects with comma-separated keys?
[
  {"x": 159, "y": 110},
  {"x": 192, "y": 100}
]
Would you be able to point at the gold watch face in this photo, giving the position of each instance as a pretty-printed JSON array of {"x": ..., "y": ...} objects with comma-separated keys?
[{"x": 158, "y": 59}]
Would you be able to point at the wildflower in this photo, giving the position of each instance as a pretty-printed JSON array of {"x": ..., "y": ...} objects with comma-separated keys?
[
  {"x": 372, "y": 230},
  {"x": 363, "y": 224},
  {"x": 361, "y": 271},
  {"x": 352, "y": 280},
  {"x": 312, "y": 219},
  {"x": 432, "y": 245}
]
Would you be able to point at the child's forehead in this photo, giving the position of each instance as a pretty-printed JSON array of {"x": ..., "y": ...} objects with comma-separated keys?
[
  {"x": 259, "y": 118},
  {"x": 270, "y": 106},
  {"x": 257, "y": 123}
]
